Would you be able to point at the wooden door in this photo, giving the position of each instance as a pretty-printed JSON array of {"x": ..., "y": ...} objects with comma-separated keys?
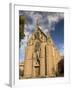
[{"x": 37, "y": 71}]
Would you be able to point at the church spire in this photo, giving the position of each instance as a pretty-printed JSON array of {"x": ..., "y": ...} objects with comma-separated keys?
[{"x": 37, "y": 23}]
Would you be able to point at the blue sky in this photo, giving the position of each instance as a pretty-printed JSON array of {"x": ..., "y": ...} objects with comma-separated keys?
[{"x": 52, "y": 22}]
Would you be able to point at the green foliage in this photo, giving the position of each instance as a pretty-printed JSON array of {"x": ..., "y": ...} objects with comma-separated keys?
[{"x": 22, "y": 20}]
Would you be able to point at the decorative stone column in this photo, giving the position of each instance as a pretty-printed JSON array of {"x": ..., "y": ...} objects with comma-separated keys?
[
  {"x": 28, "y": 62},
  {"x": 28, "y": 69},
  {"x": 33, "y": 70},
  {"x": 50, "y": 61},
  {"x": 42, "y": 61}
]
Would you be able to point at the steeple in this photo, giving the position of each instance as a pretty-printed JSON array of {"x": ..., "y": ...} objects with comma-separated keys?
[{"x": 37, "y": 23}]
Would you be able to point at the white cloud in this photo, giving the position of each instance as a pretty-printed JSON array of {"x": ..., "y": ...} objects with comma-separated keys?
[
  {"x": 25, "y": 27},
  {"x": 46, "y": 31},
  {"x": 37, "y": 16},
  {"x": 53, "y": 19},
  {"x": 46, "y": 19}
]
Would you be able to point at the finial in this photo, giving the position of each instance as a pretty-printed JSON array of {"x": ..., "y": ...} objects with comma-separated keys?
[{"x": 37, "y": 22}]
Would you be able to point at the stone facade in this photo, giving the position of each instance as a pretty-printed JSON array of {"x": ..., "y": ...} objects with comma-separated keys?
[{"x": 41, "y": 56}]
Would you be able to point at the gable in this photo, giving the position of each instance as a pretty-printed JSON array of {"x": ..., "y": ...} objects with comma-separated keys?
[{"x": 38, "y": 34}]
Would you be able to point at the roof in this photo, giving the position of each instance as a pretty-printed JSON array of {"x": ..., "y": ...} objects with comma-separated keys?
[{"x": 42, "y": 31}]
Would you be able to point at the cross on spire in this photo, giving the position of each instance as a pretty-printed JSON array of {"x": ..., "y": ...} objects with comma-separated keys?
[{"x": 37, "y": 23}]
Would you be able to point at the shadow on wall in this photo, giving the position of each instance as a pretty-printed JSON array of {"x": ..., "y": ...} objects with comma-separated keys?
[{"x": 61, "y": 68}]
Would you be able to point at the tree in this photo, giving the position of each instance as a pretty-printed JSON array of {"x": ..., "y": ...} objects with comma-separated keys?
[{"x": 22, "y": 20}]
